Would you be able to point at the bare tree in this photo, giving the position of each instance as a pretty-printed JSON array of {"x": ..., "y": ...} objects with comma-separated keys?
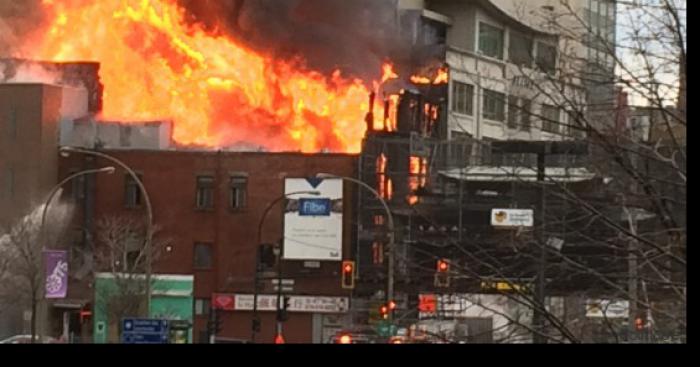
[
  {"x": 22, "y": 252},
  {"x": 120, "y": 252}
]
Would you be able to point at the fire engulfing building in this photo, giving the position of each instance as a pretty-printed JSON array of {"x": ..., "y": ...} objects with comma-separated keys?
[{"x": 455, "y": 154}]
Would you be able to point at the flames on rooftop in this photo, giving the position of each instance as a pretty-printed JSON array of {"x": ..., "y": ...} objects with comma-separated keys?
[{"x": 155, "y": 64}]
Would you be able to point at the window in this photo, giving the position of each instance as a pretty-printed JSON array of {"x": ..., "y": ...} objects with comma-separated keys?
[
  {"x": 463, "y": 98},
  {"x": 513, "y": 112},
  {"x": 239, "y": 192},
  {"x": 491, "y": 41},
  {"x": 205, "y": 192},
  {"x": 494, "y": 105},
  {"x": 203, "y": 258},
  {"x": 525, "y": 115},
  {"x": 546, "y": 57},
  {"x": 433, "y": 33},
  {"x": 202, "y": 306},
  {"x": 132, "y": 192},
  {"x": 520, "y": 49},
  {"x": 550, "y": 119}
]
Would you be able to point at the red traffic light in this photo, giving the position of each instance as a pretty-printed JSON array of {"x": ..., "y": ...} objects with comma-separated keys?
[
  {"x": 345, "y": 339},
  {"x": 443, "y": 266},
  {"x": 392, "y": 305},
  {"x": 639, "y": 323},
  {"x": 348, "y": 275}
]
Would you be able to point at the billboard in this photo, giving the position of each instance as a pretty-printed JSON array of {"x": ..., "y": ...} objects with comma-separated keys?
[
  {"x": 313, "y": 225},
  {"x": 510, "y": 218}
]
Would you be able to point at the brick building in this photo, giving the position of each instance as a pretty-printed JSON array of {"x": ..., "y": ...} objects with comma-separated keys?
[{"x": 210, "y": 204}]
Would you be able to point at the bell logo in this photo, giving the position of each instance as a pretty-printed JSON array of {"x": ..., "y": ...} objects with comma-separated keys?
[{"x": 501, "y": 217}]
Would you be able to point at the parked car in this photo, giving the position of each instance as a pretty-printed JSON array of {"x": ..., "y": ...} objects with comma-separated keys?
[{"x": 27, "y": 339}]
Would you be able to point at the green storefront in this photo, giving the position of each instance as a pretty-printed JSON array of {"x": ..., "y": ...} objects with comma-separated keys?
[{"x": 119, "y": 296}]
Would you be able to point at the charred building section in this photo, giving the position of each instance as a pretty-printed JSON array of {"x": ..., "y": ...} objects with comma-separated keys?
[{"x": 72, "y": 74}]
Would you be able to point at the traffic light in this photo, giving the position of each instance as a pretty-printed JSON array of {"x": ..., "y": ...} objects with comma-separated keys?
[
  {"x": 348, "y": 275},
  {"x": 391, "y": 305},
  {"x": 384, "y": 312},
  {"x": 443, "y": 266},
  {"x": 442, "y": 274},
  {"x": 283, "y": 314},
  {"x": 639, "y": 324}
]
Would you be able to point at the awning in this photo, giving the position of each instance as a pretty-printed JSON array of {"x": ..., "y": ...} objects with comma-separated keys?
[
  {"x": 72, "y": 304},
  {"x": 510, "y": 174}
]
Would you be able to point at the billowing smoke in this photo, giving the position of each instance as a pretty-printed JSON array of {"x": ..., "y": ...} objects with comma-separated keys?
[
  {"x": 18, "y": 19},
  {"x": 355, "y": 36}
]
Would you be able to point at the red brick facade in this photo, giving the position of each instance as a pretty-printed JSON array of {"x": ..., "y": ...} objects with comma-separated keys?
[{"x": 170, "y": 178}]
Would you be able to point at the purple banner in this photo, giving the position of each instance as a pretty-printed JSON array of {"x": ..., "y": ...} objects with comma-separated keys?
[{"x": 56, "y": 273}]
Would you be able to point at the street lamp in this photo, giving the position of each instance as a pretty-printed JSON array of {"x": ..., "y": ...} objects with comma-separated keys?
[
  {"x": 390, "y": 218},
  {"x": 52, "y": 194},
  {"x": 256, "y": 321},
  {"x": 66, "y": 151}
]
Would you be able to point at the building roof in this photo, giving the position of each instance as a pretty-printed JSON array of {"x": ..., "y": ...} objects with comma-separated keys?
[{"x": 510, "y": 174}]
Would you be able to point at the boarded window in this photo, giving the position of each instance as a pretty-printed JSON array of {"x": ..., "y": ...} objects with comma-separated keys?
[{"x": 203, "y": 258}]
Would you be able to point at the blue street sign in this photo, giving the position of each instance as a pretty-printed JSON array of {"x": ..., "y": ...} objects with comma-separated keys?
[
  {"x": 145, "y": 331},
  {"x": 315, "y": 207}
]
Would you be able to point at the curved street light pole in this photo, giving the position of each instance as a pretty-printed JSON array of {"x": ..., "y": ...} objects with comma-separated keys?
[
  {"x": 45, "y": 210},
  {"x": 390, "y": 219},
  {"x": 66, "y": 151},
  {"x": 258, "y": 245}
]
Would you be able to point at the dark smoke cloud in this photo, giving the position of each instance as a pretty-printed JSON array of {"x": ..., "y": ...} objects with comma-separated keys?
[
  {"x": 353, "y": 35},
  {"x": 18, "y": 19}
]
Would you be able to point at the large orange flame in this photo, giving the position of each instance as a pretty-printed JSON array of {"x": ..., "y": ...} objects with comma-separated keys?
[{"x": 154, "y": 65}]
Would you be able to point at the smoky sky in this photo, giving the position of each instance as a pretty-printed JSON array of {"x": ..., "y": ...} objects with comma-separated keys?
[
  {"x": 355, "y": 36},
  {"x": 18, "y": 19}
]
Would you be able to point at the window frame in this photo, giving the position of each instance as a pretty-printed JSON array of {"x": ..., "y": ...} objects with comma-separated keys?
[
  {"x": 484, "y": 26},
  {"x": 548, "y": 122},
  {"x": 238, "y": 184},
  {"x": 467, "y": 102},
  {"x": 204, "y": 192},
  {"x": 129, "y": 182},
  {"x": 491, "y": 95}
]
